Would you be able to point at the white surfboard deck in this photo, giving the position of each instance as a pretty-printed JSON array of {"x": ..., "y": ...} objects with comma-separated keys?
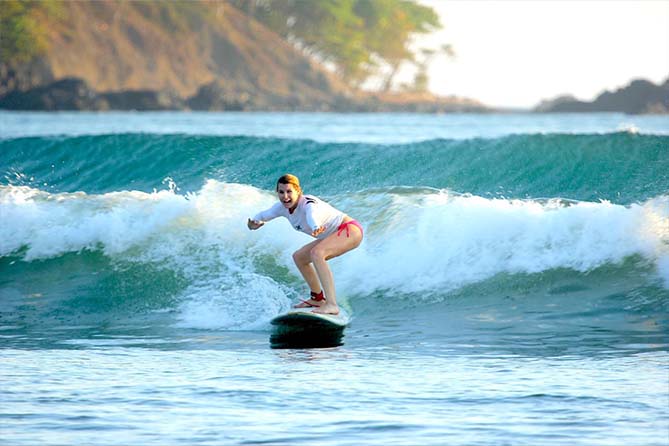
[{"x": 306, "y": 316}]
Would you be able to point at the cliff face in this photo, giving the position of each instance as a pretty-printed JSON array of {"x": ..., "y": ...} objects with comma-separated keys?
[
  {"x": 640, "y": 96},
  {"x": 205, "y": 55},
  {"x": 120, "y": 46}
]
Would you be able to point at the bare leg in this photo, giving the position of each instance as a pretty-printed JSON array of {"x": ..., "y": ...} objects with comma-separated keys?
[
  {"x": 327, "y": 280},
  {"x": 333, "y": 246},
  {"x": 302, "y": 260}
]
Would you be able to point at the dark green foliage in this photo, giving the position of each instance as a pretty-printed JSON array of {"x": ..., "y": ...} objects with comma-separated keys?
[
  {"x": 20, "y": 36},
  {"x": 355, "y": 35}
]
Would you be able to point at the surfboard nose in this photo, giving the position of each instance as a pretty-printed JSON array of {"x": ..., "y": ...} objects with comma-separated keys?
[{"x": 303, "y": 329}]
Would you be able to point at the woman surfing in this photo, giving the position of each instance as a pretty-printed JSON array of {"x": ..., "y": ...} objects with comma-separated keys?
[{"x": 336, "y": 233}]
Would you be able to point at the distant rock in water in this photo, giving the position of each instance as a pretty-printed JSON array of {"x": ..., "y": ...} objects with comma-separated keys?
[
  {"x": 64, "y": 94},
  {"x": 215, "y": 96},
  {"x": 143, "y": 100},
  {"x": 76, "y": 94},
  {"x": 120, "y": 55},
  {"x": 640, "y": 96},
  {"x": 552, "y": 105},
  {"x": 221, "y": 95}
]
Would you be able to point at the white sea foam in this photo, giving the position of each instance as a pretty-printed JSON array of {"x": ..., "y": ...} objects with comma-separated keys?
[
  {"x": 444, "y": 241},
  {"x": 416, "y": 241},
  {"x": 203, "y": 236},
  {"x": 49, "y": 225}
]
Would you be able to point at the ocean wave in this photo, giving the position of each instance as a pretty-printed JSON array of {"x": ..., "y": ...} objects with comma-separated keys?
[
  {"x": 528, "y": 235},
  {"x": 422, "y": 243},
  {"x": 621, "y": 167}
]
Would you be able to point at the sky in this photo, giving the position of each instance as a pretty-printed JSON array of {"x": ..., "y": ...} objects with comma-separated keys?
[{"x": 515, "y": 53}]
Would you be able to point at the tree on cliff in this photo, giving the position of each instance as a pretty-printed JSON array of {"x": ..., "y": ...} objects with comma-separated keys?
[
  {"x": 213, "y": 54},
  {"x": 21, "y": 37},
  {"x": 358, "y": 38}
]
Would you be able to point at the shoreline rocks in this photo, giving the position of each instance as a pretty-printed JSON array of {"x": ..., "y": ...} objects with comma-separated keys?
[
  {"x": 638, "y": 97},
  {"x": 71, "y": 94}
]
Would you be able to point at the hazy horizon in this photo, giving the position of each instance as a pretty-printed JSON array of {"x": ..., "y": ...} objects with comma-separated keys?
[{"x": 512, "y": 53}]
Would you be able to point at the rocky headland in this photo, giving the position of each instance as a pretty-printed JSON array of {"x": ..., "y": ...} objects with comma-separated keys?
[
  {"x": 209, "y": 56},
  {"x": 638, "y": 97},
  {"x": 115, "y": 55}
]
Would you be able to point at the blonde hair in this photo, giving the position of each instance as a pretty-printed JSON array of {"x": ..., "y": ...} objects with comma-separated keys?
[{"x": 289, "y": 179}]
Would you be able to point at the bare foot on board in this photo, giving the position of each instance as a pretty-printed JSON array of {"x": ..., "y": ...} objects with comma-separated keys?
[{"x": 327, "y": 309}]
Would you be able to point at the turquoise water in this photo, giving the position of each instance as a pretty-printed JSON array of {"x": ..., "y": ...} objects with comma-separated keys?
[{"x": 512, "y": 288}]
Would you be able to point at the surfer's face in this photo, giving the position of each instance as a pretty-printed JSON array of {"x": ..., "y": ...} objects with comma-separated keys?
[{"x": 288, "y": 195}]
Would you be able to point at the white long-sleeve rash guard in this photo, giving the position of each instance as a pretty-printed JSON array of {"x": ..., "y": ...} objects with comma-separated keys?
[{"x": 310, "y": 214}]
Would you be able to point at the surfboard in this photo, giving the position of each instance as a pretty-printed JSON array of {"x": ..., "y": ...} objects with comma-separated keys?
[
  {"x": 302, "y": 328},
  {"x": 306, "y": 316}
]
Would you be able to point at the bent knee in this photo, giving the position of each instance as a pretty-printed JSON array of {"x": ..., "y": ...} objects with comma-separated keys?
[
  {"x": 316, "y": 253},
  {"x": 301, "y": 257}
]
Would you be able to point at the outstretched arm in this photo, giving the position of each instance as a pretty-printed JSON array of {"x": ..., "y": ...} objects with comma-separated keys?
[{"x": 261, "y": 217}]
